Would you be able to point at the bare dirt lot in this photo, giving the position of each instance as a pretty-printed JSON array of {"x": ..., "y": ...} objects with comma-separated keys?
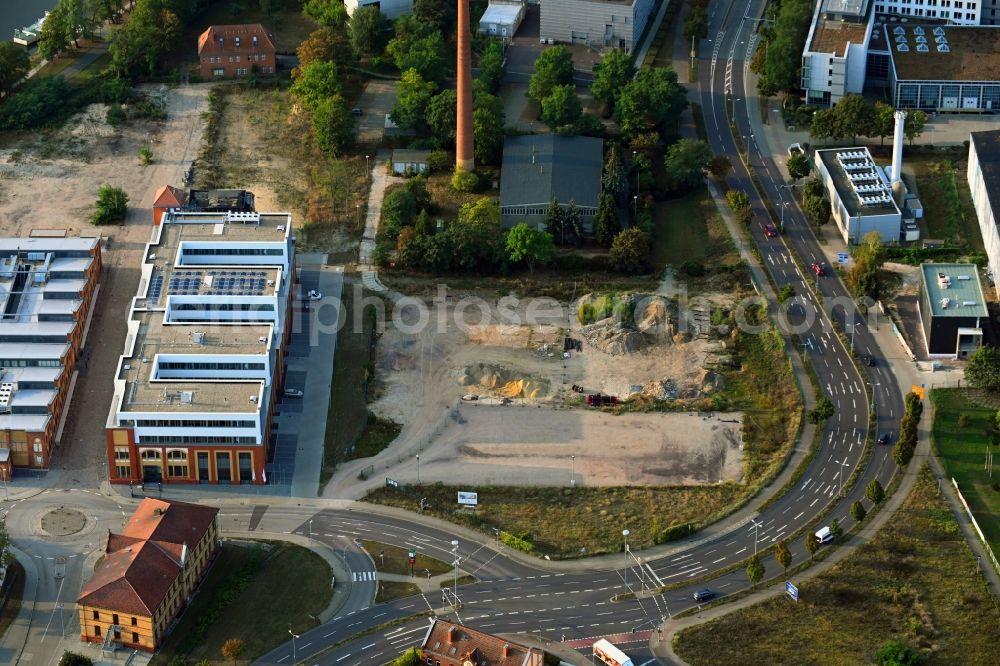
[
  {"x": 423, "y": 374},
  {"x": 497, "y": 445},
  {"x": 49, "y": 180}
]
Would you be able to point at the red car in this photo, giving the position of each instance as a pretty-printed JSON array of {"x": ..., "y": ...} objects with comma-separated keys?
[
  {"x": 770, "y": 231},
  {"x": 819, "y": 270}
]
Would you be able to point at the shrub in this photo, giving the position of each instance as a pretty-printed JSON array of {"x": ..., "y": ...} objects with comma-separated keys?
[
  {"x": 516, "y": 542},
  {"x": 145, "y": 156},
  {"x": 37, "y": 103},
  {"x": 464, "y": 181},
  {"x": 585, "y": 313},
  {"x": 693, "y": 268},
  {"x": 74, "y": 659},
  {"x": 112, "y": 203},
  {"x": 603, "y": 308},
  {"x": 115, "y": 115},
  {"x": 673, "y": 533},
  {"x": 438, "y": 161}
]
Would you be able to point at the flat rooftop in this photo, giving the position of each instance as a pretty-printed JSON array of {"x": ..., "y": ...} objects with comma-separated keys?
[
  {"x": 944, "y": 53},
  {"x": 846, "y": 7},
  {"x": 987, "y": 145},
  {"x": 144, "y": 393},
  {"x": 831, "y": 36},
  {"x": 859, "y": 182},
  {"x": 954, "y": 290},
  {"x": 218, "y": 281}
]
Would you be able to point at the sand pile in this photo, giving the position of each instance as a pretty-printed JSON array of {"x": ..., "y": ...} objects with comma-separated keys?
[
  {"x": 501, "y": 381},
  {"x": 611, "y": 337}
]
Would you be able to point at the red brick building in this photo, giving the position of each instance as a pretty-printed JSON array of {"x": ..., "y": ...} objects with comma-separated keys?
[
  {"x": 232, "y": 51},
  {"x": 450, "y": 644},
  {"x": 148, "y": 574}
]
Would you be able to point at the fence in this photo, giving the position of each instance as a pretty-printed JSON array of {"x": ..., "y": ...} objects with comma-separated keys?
[{"x": 972, "y": 519}]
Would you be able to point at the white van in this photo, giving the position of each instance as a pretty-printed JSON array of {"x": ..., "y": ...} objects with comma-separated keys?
[{"x": 823, "y": 535}]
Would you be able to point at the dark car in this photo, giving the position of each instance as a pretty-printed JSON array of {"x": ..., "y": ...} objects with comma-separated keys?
[
  {"x": 703, "y": 595},
  {"x": 883, "y": 438},
  {"x": 819, "y": 270},
  {"x": 870, "y": 361},
  {"x": 357, "y": 111},
  {"x": 770, "y": 231}
]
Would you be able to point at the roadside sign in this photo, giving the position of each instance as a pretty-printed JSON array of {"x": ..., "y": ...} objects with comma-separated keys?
[
  {"x": 843, "y": 257},
  {"x": 919, "y": 390},
  {"x": 791, "y": 590},
  {"x": 413, "y": 556},
  {"x": 468, "y": 499},
  {"x": 391, "y": 483}
]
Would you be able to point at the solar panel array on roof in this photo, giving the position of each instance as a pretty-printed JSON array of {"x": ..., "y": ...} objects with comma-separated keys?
[
  {"x": 184, "y": 283},
  {"x": 155, "y": 288},
  {"x": 237, "y": 283}
]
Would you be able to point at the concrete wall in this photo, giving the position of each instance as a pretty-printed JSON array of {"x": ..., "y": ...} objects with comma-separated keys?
[
  {"x": 987, "y": 219},
  {"x": 594, "y": 23}
]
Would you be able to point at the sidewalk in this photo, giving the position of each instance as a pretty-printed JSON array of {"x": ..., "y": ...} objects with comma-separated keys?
[{"x": 12, "y": 643}]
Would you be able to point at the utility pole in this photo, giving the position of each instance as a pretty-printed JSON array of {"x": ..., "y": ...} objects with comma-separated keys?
[
  {"x": 625, "y": 534},
  {"x": 454, "y": 550},
  {"x": 756, "y": 525},
  {"x": 295, "y": 657},
  {"x": 840, "y": 474},
  {"x": 572, "y": 473},
  {"x": 418, "y": 469}
]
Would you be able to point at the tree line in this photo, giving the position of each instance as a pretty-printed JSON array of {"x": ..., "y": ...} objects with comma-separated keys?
[{"x": 854, "y": 116}]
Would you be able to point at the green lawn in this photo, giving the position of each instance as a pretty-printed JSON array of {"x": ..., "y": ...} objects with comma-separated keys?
[
  {"x": 948, "y": 210},
  {"x": 270, "y": 586},
  {"x": 963, "y": 452},
  {"x": 690, "y": 229},
  {"x": 915, "y": 582}
]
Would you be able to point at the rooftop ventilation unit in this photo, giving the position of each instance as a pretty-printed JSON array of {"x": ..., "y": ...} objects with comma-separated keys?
[
  {"x": 900, "y": 39},
  {"x": 920, "y": 39},
  {"x": 941, "y": 40},
  {"x": 963, "y": 277},
  {"x": 922, "y": 48},
  {"x": 945, "y": 302},
  {"x": 939, "y": 31},
  {"x": 186, "y": 397},
  {"x": 898, "y": 30},
  {"x": 944, "y": 48},
  {"x": 902, "y": 48},
  {"x": 969, "y": 303},
  {"x": 943, "y": 280},
  {"x": 918, "y": 30},
  {"x": 198, "y": 337},
  {"x": 6, "y": 393}
]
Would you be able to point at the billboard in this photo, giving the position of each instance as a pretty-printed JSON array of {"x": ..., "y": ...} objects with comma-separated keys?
[{"x": 468, "y": 499}]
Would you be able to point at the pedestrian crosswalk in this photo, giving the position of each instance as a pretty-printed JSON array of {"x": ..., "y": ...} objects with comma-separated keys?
[{"x": 360, "y": 576}]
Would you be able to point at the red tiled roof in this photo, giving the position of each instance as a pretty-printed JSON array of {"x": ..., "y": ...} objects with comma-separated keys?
[
  {"x": 208, "y": 41},
  {"x": 460, "y": 643},
  {"x": 145, "y": 558},
  {"x": 169, "y": 196},
  {"x": 133, "y": 580}
]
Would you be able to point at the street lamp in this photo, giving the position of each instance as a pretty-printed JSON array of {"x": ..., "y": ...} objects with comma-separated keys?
[
  {"x": 357, "y": 207},
  {"x": 454, "y": 550},
  {"x": 572, "y": 473},
  {"x": 625, "y": 534},
  {"x": 635, "y": 156},
  {"x": 310, "y": 528},
  {"x": 875, "y": 404},
  {"x": 294, "y": 636},
  {"x": 418, "y": 469},
  {"x": 840, "y": 474},
  {"x": 635, "y": 206},
  {"x": 368, "y": 173},
  {"x": 756, "y": 524}
]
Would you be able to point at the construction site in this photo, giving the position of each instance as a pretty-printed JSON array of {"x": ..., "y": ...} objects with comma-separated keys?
[{"x": 512, "y": 403}]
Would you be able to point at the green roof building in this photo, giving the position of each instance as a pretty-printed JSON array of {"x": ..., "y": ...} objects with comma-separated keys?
[{"x": 952, "y": 309}]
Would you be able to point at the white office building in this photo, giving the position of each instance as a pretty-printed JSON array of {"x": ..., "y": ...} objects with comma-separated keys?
[
  {"x": 833, "y": 62},
  {"x": 861, "y": 199},
  {"x": 984, "y": 183}
]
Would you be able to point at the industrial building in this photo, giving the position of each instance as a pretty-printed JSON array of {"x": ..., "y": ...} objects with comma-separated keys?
[
  {"x": 984, "y": 183},
  {"x": 502, "y": 19},
  {"x": 539, "y": 168},
  {"x": 952, "y": 310},
  {"x": 598, "y": 24},
  {"x": 203, "y": 365},
  {"x": 833, "y": 62},
  {"x": 861, "y": 198},
  {"x": 148, "y": 574},
  {"x": 48, "y": 286}
]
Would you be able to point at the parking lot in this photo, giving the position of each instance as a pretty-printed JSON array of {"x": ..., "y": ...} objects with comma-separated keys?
[{"x": 376, "y": 101}]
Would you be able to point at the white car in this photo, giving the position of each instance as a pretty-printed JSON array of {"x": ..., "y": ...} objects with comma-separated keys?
[
  {"x": 795, "y": 149},
  {"x": 292, "y": 393},
  {"x": 313, "y": 295}
]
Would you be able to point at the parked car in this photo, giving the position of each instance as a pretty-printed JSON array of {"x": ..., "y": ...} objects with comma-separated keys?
[
  {"x": 770, "y": 231},
  {"x": 824, "y": 535},
  {"x": 819, "y": 270},
  {"x": 292, "y": 393},
  {"x": 703, "y": 595},
  {"x": 795, "y": 149},
  {"x": 357, "y": 111},
  {"x": 313, "y": 295},
  {"x": 883, "y": 438}
]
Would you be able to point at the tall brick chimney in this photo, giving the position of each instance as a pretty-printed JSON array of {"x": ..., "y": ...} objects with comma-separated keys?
[{"x": 463, "y": 132}]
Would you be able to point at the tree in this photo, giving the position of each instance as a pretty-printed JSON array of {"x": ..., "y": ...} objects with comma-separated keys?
[
  {"x": 874, "y": 492},
  {"x": 883, "y": 121},
  {"x": 487, "y": 133},
  {"x": 425, "y": 53},
  {"x": 896, "y": 653},
  {"x": 630, "y": 251},
  {"x": 606, "y": 223},
  {"x": 817, "y": 210},
  {"x": 755, "y": 569},
  {"x": 112, "y": 202},
  {"x": 610, "y": 76},
  {"x": 983, "y": 369},
  {"x": 136, "y": 47},
  {"x": 613, "y": 175},
  {"x": 464, "y": 181},
  {"x": 477, "y": 234},
  {"x": 737, "y": 200},
  {"x": 719, "y": 166},
  {"x": 561, "y": 107},
  {"x": 442, "y": 115},
  {"x": 54, "y": 37},
  {"x": 317, "y": 82},
  {"x": 73, "y": 659},
  {"x": 784, "y": 51},
  {"x": 413, "y": 97},
  {"x": 327, "y": 13},
  {"x": 822, "y": 411},
  {"x": 798, "y": 166},
  {"x": 409, "y": 658},
  {"x": 491, "y": 67},
  {"x": 835, "y": 530},
  {"x": 687, "y": 160},
  {"x": 863, "y": 276},
  {"x": 442, "y": 15},
  {"x": 812, "y": 543},
  {"x": 858, "y": 512},
  {"x": 34, "y": 103},
  {"x": 651, "y": 101},
  {"x": 913, "y": 126},
  {"x": 902, "y": 453},
  {"x": 327, "y": 44},
  {"x": 232, "y": 649},
  {"x": 824, "y": 125},
  {"x": 14, "y": 64},
  {"x": 782, "y": 554},
  {"x": 368, "y": 27},
  {"x": 529, "y": 245},
  {"x": 554, "y": 67},
  {"x": 104, "y": 10},
  {"x": 853, "y": 116},
  {"x": 333, "y": 125},
  {"x": 423, "y": 225}
]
